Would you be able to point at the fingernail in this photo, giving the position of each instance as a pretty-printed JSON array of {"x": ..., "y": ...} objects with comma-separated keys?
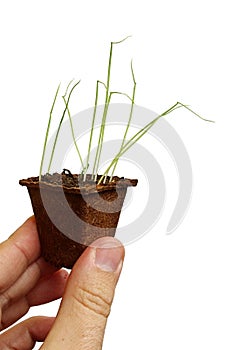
[{"x": 109, "y": 254}]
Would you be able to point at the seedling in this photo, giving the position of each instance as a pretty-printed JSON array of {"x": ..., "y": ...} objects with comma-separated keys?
[
  {"x": 125, "y": 145},
  {"x": 97, "y": 199}
]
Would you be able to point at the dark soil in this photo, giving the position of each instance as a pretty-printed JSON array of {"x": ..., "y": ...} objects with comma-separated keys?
[{"x": 76, "y": 181}]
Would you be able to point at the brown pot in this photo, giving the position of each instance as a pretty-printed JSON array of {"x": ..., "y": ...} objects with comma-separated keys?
[{"x": 69, "y": 218}]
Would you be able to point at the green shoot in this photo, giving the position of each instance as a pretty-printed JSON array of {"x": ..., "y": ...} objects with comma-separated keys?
[
  {"x": 143, "y": 131},
  {"x": 125, "y": 144},
  {"x": 92, "y": 126},
  {"x": 129, "y": 120},
  {"x": 72, "y": 132},
  {"x": 47, "y": 131},
  {"x": 60, "y": 124},
  {"x": 97, "y": 160},
  {"x": 102, "y": 128}
]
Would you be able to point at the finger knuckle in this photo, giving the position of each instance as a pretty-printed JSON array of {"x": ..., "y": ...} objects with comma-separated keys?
[{"x": 93, "y": 301}]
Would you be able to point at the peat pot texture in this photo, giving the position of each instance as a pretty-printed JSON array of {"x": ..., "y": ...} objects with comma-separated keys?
[{"x": 71, "y": 213}]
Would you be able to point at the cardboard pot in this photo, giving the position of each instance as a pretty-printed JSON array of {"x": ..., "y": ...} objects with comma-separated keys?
[{"x": 70, "y": 216}]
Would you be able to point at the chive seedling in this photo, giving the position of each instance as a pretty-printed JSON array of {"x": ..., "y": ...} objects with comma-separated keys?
[
  {"x": 108, "y": 96},
  {"x": 60, "y": 124},
  {"x": 92, "y": 126},
  {"x": 129, "y": 120},
  {"x": 125, "y": 145},
  {"x": 71, "y": 123},
  {"x": 47, "y": 131}
]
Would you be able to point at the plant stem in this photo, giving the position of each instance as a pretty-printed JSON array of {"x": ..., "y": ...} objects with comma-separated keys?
[
  {"x": 102, "y": 128},
  {"x": 97, "y": 160},
  {"x": 144, "y": 130},
  {"x": 92, "y": 126},
  {"x": 59, "y": 126},
  {"x": 47, "y": 131},
  {"x": 72, "y": 132},
  {"x": 129, "y": 120},
  {"x": 100, "y": 141}
]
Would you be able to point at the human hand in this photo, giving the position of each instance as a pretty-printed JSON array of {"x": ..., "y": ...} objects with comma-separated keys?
[{"x": 27, "y": 280}]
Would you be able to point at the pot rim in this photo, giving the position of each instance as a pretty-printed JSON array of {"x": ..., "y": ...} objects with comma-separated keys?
[{"x": 33, "y": 182}]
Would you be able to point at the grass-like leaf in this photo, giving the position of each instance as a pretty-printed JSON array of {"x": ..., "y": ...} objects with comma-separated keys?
[
  {"x": 47, "y": 131},
  {"x": 143, "y": 131},
  {"x": 129, "y": 120},
  {"x": 106, "y": 105},
  {"x": 60, "y": 124},
  {"x": 125, "y": 145},
  {"x": 72, "y": 132}
]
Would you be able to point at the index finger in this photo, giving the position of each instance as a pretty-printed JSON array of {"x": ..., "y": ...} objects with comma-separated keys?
[{"x": 18, "y": 252}]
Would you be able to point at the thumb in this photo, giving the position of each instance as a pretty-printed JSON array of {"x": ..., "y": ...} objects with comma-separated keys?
[{"x": 81, "y": 320}]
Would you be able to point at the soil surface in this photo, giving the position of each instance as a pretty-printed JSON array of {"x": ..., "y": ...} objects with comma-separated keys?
[{"x": 76, "y": 181}]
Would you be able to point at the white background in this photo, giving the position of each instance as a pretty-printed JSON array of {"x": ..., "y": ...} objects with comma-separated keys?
[{"x": 175, "y": 291}]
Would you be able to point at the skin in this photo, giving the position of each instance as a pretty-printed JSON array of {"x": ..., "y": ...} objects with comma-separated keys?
[{"x": 87, "y": 293}]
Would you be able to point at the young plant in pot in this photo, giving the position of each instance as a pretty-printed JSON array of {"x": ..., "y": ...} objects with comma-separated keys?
[{"x": 73, "y": 210}]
